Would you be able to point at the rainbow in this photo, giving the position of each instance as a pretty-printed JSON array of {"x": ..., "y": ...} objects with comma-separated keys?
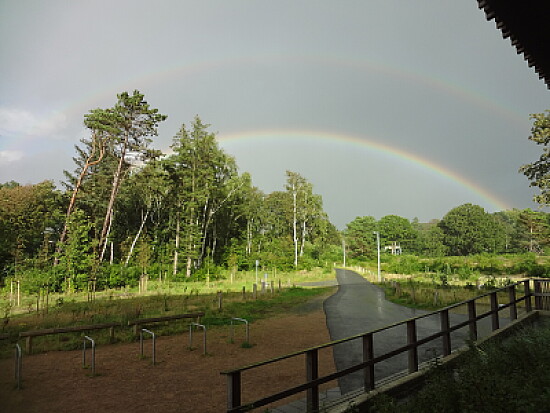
[
  {"x": 146, "y": 80},
  {"x": 368, "y": 143}
]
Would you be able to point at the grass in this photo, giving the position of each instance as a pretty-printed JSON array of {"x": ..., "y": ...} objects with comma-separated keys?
[
  {"x": 512, "y": 375},
  {"x": 115, "y": 307}
]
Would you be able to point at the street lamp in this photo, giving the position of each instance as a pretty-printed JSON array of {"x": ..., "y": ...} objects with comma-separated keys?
[
  {"x": 378, "y": 250},
  {"x": 344, "y": 249}
]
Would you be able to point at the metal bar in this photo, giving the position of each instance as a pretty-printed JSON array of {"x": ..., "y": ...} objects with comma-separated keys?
[
  {"x": 368, "y": 355},
  {"x": 18, "y": 365},
  {"x": 191, "y": 325},
  {"x": 144, "y": 330},
  {"x": 472, "y": 320},
  {"x": 444, "y": 318},
  {"x": 86, "y": 338},
  {"x": 494, "y": 311},
  {"x": 413, "y": 351},
  {"x": 312, "y": 373},
  {"x": 247, "y": 326},
  {"x": 512, "y": 301}
]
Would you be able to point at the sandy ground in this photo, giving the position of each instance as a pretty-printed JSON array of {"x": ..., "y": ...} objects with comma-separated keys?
[{"x": 181, "y": 381}]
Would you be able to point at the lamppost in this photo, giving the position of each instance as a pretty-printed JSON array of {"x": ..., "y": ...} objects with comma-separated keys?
[
  {"x": 344, "y": 250},
  {"x": 378, "y": 250}
]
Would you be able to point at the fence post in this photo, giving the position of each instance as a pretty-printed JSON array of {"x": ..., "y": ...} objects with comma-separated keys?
[
  {"x": 312, "y": 373},
  {"x": 233, "y": 390},
  {"x": 444, "y": 318},
  {"x": 494, "y": 311},
  {"x": 472, "y": 319},
  {"x": 255, "y": 291},
  {"x": 527, "y": 294},
  {"x": 28, "y": 345},
  {"x": 513, "y": 304},
  {"x": 538, "y": 295},
  {"x": 368, "y": 355},
  {"x": 413, "y": 351}
]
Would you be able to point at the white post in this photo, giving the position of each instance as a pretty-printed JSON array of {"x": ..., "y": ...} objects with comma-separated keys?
[{"x": 344, "y": 248}]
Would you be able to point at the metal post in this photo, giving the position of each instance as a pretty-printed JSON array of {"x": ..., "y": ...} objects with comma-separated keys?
[
  {"x": 144, "y": 330},
  {"x": 247, "y": 328},
  {"x": 494, "y": 311},
  {"x": 368, "y": 355},
  {"x": 413, "y": 351},
  {"x": 312, "y": 373},
  {"x": 444, "y": 318},
  {"x": 18, "y": 365},
  {"x": 86, "y": 338},
  {"x": 203, "y": 337},
  {"x": 378, "y": 250}
]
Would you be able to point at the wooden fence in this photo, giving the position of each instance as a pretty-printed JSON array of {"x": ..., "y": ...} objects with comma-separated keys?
[
  {"x": 29, "y": 335},
  {"x": 541, "y": 295}
]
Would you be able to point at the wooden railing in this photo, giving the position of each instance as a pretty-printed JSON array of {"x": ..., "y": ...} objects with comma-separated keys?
[
  {"x": 313, "y": 381},
  {"x": 28, "y": 335}
]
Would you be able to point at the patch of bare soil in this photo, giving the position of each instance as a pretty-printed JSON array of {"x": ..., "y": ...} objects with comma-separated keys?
[{"x": 181, "y": 381}]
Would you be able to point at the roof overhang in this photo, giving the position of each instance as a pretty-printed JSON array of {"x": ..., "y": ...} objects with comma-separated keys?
[{"x": 527, "y": 24}]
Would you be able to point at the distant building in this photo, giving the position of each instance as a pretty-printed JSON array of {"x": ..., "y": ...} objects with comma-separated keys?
[{"x": 394, "y": 248}]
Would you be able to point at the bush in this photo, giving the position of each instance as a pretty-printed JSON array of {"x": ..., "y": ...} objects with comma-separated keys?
[{"x": 506, "y": 376}]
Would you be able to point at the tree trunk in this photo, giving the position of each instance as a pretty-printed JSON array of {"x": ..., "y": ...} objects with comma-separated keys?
[
  {"x": 114, "y": 191},
  {"x": 95, "y": 145},
  {"x": 175, "y": 270},
  {"x": 143, "y": 220}
]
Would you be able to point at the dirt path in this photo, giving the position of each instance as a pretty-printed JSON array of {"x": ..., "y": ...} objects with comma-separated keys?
[{"x": 182, "y": 380}]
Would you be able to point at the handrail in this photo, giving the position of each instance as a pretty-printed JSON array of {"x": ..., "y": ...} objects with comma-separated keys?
[
  {"x": 378, "y": 330},
  {"x": 311, "y": 386},
  {"x": 164, "y": 318}
]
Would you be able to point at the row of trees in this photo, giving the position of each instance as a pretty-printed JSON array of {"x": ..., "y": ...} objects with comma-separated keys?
[
  {"x": 465, "y": 230},
  {"x": 127, "y": 209},
  {"x": 128, "y": 206}
]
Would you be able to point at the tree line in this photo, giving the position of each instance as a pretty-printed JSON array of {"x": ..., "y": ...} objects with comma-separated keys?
[{"x": 127, "y": 210}]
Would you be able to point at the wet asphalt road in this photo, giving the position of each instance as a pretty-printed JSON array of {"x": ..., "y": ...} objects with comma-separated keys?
[{"x": 359, "y": 306}]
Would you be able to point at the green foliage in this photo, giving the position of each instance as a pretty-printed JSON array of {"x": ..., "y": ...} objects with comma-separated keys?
[
  {"x": 512, "y": 375},
  {"x": 468, "y": 229},
  {"x": 538, "y": 172},
  {"x": 403, "y": 264}
]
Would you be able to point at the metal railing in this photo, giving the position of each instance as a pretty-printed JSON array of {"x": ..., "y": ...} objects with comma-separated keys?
[
  {"x": 191, "y": 325},
  {"x": 144, "y": 330},
  {"x": 313, "y": 381},
  {"x": 247, "y": 326},
  {"x": 86, "y": 338},
  {"x": 18, "y": 365}
]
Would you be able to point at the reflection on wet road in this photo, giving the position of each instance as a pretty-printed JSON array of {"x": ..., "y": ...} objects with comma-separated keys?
[{"x": 359, "y": 306}]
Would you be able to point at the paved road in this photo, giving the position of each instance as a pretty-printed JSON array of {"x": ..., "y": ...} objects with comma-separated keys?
[{"x": 359, "y": 306}]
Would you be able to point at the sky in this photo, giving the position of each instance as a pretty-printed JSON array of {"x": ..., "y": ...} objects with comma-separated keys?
[{"x": 387, "y": 107}]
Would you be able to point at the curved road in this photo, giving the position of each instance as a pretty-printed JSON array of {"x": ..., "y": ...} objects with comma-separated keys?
[{"x": 359, "y": 306}]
